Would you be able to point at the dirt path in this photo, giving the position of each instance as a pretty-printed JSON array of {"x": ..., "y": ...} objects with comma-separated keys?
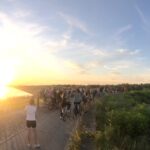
[{"x": 53, "y": 133}]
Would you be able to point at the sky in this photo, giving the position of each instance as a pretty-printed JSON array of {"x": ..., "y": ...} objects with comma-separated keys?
[{"x": 74, "y": 41}]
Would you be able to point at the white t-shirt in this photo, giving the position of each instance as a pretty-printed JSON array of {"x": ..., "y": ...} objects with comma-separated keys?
[{"x": 30, "y": 112}]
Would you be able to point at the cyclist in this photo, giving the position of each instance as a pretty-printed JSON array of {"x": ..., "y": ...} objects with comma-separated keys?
[
  {"x": 62, "y": 104},
  {"x": 77, "y": 102}
]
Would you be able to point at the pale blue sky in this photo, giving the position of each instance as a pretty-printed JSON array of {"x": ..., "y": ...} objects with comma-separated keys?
[{"x": 77, "y": 41}]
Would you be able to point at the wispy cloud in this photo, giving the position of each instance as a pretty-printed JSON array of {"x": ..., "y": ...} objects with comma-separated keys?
[
  {"x": 98, "y": 58},
  {"x": 118, "y": 36},
  {"x": 134, "y": 52},
  {"x": 145, "y": 21},
  {"x": 127, "y": 52},
  {"x": 22, "y": 13},
  {"x": 75, "y": 67},
  {"x": 116, "y": 67},
  {"x": 123, "y": 29},
  {"x": 85, "y": 68},
  {"x": 141, "y": 15},
  {"x": 117, "y": 54},
  {"x": 125, "y": 68},
  {"x": 74, "y": 22},
  {"x": 99, "y": 52},
  {"x": 56, "y": 46},
  {"x": 116, "y": 73}
]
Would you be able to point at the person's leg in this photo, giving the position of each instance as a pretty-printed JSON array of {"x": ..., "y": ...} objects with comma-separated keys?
[
  {"x": 28, "y": 133},
  {"x": 61, "y": 111},
  {"x": 35, "y": 136},
  {"x": 29, "y": 137},
  {"x": 34, "y": 132},
  {"x": 79, "y": 108},
  {"x": 36, "y": 141},
  {"x": 75, "y": 109},
  {"x": 68, "y": 109}
]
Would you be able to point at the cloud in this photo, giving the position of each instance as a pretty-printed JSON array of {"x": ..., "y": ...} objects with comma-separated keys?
[
  {"x": 113, "y": 55},
  {"x": 61, "y": 58},
  {"x": 116, "y": 73},
  {"x": 74, "y": 22},
  {"x": 56, "y": 46},
  {"x": 116, "y": 67},
  {"x": 123, "y": 29},
  {"x": 3, "y": 17},
  {"x": 100, "y": 59},
  {"x": 22, "y": 13},
  {"x": 75, "y": 67},
  {"x": 145, "y": 21},
  {"x": 120, "y": 65},
  {"x": 127, "y": 52},
  {"x": 134, "y": 52},
  {"x": 94, "y": 64},
  {"x": 118, "y": 37},
  {"x": 141, "y": 15},
  {"x": 85, "y": 68},
  {"x": 99, "y": 52}
]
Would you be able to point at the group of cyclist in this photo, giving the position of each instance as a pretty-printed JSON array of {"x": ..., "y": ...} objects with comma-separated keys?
[
  {"x": 76, "y": 100},
  {"x": 71, "y": 100}
]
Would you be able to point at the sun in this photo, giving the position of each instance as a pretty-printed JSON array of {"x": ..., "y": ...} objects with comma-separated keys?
[
  {"x": 6, "y": 76},
  {"x": 3, "y": 92}
]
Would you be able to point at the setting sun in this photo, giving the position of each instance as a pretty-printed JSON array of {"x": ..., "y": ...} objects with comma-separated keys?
[
  {"x": 6, "y": 76},
  {"x": 3, "y": 91}
]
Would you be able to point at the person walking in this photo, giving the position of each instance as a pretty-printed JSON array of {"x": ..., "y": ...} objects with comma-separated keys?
[{"x": 31, "y": 114}]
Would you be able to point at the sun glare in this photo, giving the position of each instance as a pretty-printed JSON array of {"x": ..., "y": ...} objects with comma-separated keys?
[
  {"x": 3, "y": 91},
  {"x": 6, "y": 76}
]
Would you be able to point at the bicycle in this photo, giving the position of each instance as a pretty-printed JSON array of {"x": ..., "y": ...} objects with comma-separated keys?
[
  {"x": 65, "y": 111},
  {"x": 77, "y": 109}
]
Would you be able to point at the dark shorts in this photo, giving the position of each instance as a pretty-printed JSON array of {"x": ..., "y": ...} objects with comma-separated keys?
[
  {"x": 77, "y": 103},
  {"x": 31, "y": 124}
]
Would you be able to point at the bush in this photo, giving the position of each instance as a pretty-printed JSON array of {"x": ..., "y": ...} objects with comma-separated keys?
[
  {"x": 123, "y": 121},
  {"x": 140, "y": 96}
]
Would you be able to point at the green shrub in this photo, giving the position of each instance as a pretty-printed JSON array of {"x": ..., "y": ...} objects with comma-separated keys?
[
  {"x": 123, "y": 121},
  {"x": 140, "y": 96}
]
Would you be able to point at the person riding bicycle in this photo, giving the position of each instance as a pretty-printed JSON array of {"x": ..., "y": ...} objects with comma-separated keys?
[
  {"x": 77, "y": 102},
  {"x": 63, "y": 103},
  {"x": 68, "y": 101}
]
